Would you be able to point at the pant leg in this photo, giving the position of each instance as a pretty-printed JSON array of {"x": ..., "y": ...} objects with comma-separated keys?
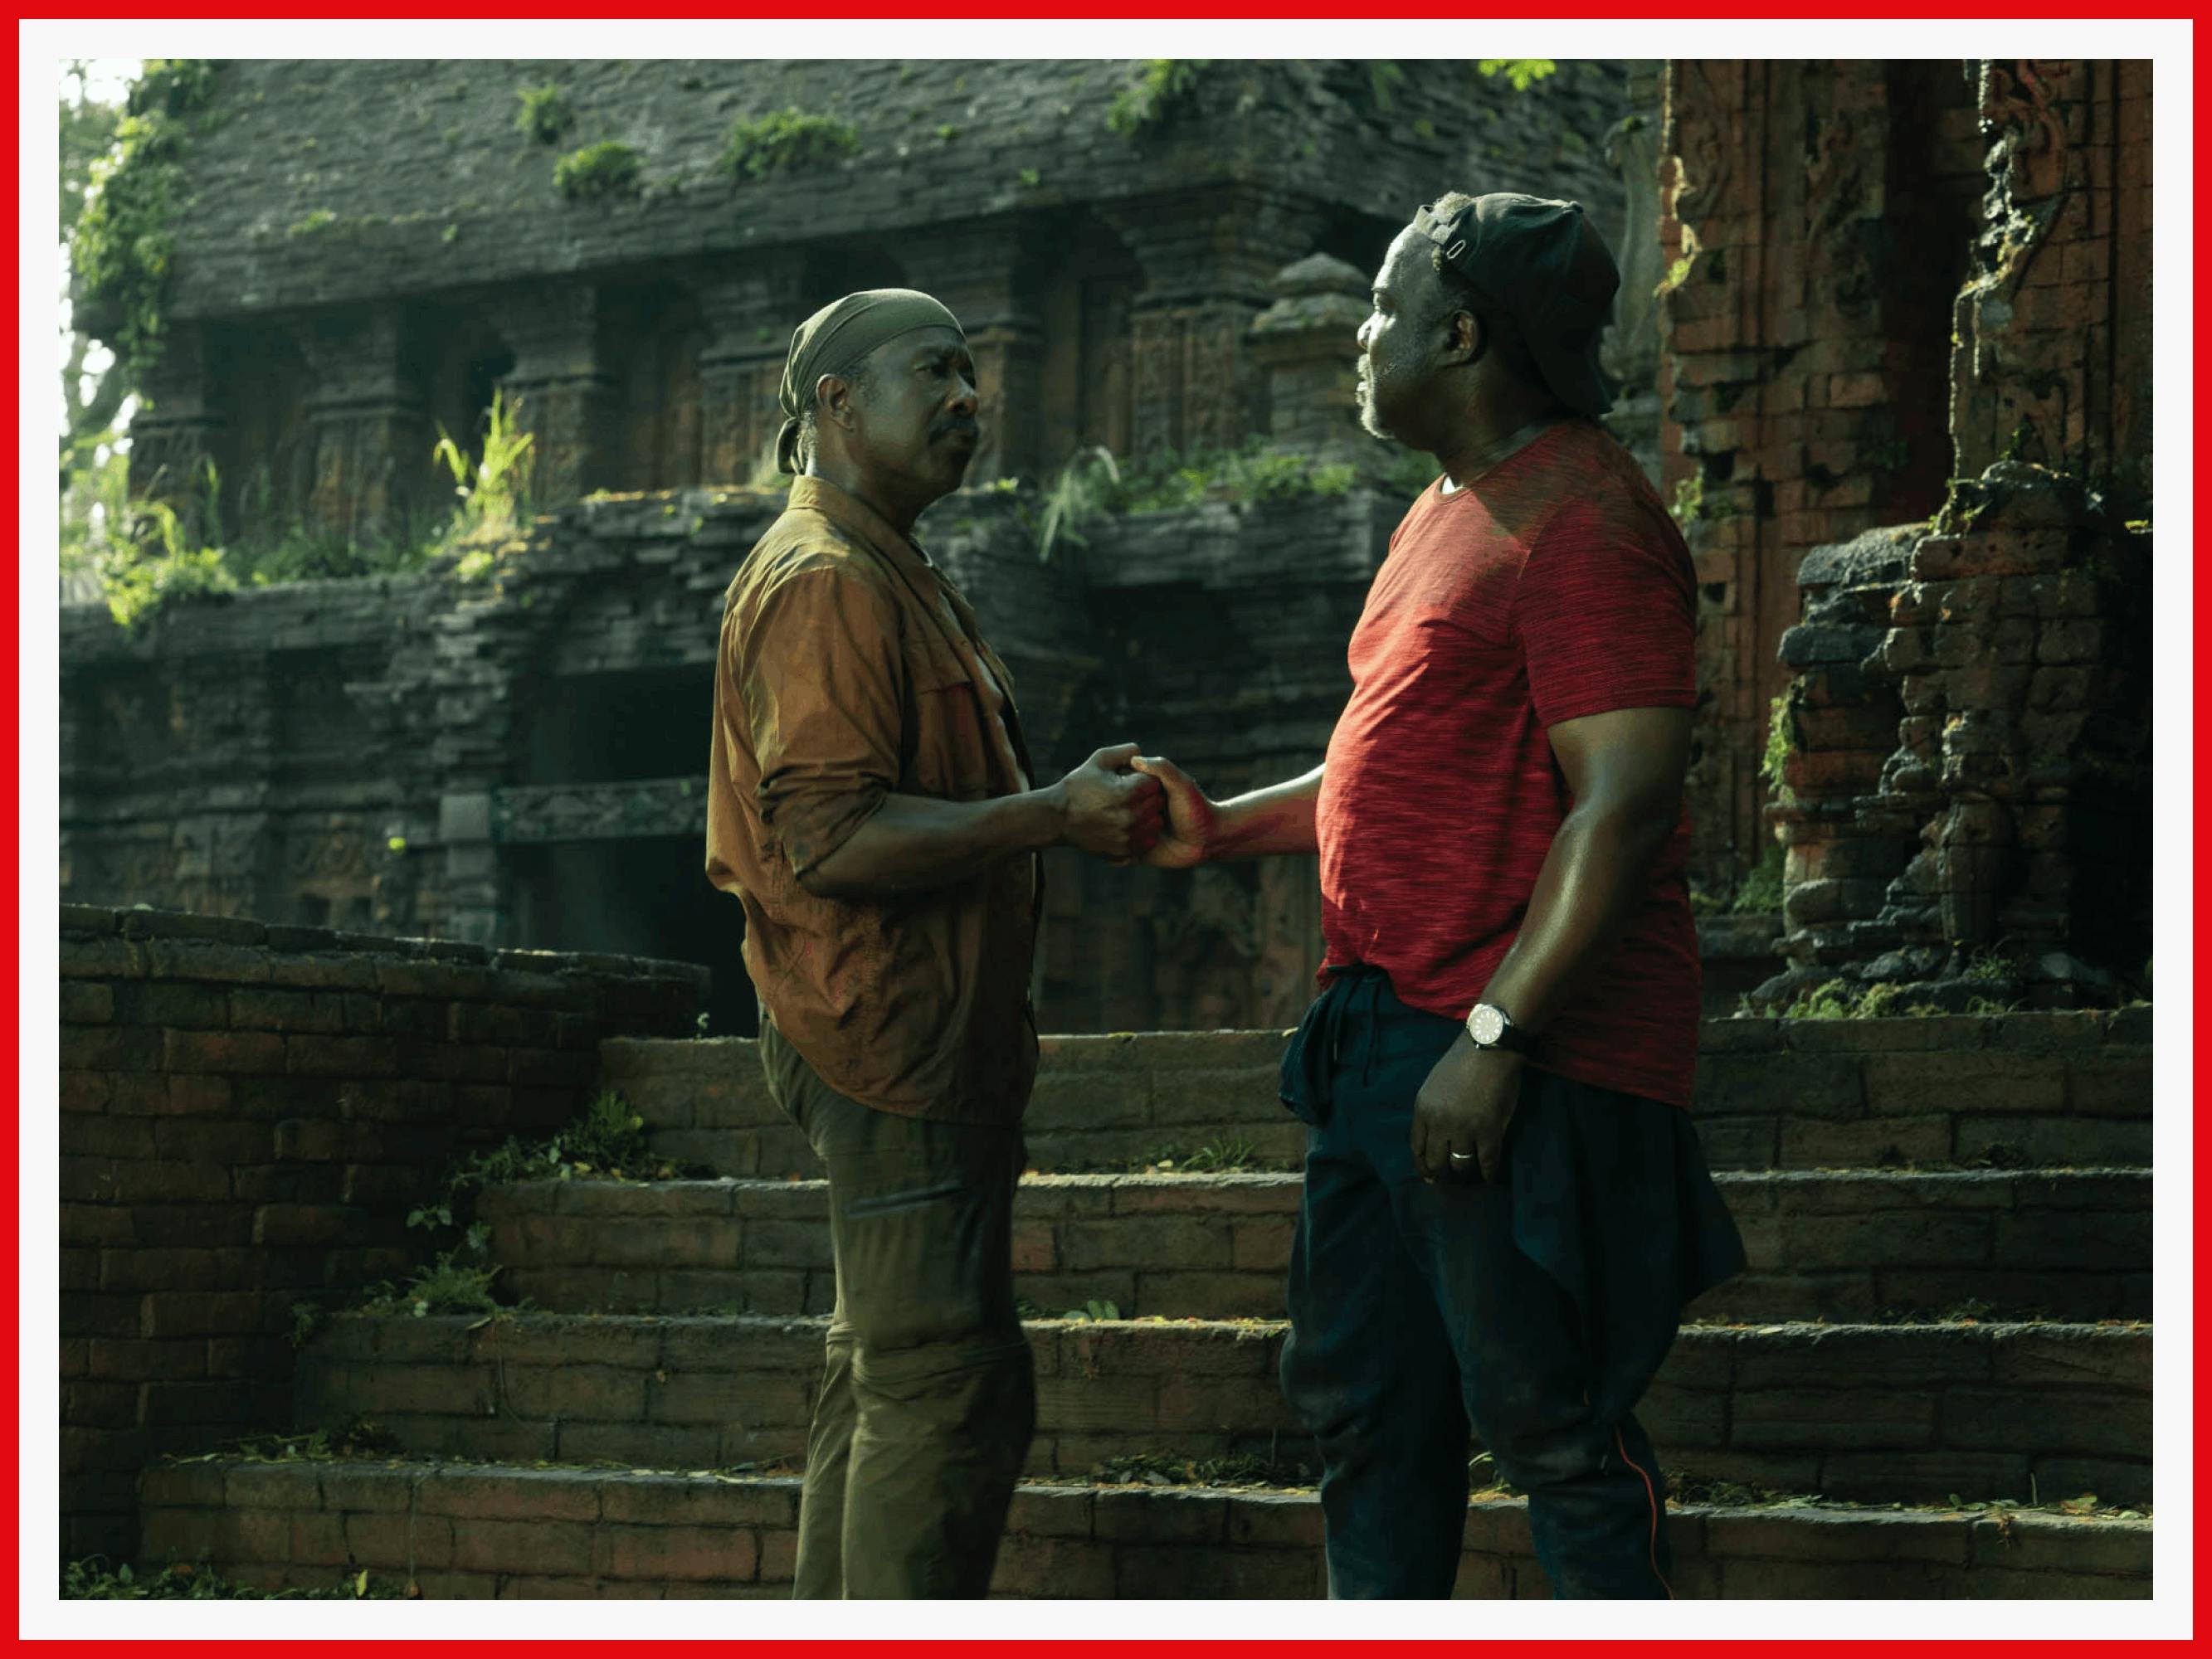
[
  {"x": 1369, "y": 1371},
  {"x": 1597, "y": 1510},
  {"x": 938, "y": 1398}
]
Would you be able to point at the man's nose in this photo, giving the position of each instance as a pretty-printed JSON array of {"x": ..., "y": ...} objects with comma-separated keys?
[
  {"x": 964, "y": 395},
  {"x": 1364, "y": 340}
]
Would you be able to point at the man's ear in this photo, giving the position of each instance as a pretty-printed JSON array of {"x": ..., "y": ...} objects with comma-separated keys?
[
  {"x": 1463, "y": 337},
  {"x": 833, "y": 396}
]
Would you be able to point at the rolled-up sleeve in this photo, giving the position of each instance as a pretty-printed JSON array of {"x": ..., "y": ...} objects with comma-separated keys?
[{"x": 818, "y": 675}]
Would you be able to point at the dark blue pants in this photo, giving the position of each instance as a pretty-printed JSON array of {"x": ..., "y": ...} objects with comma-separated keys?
[{"x": 1419, "y": 1312}]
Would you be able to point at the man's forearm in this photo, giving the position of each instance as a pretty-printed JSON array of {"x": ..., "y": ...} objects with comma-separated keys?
[
  {"x": 1591, "y": 878},
  {"x": 1277, "y": 819},
  {"x": 915, "y": 844}
]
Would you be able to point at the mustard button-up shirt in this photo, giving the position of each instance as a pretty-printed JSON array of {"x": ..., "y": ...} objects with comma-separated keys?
[{"x": 850, "y": 668}]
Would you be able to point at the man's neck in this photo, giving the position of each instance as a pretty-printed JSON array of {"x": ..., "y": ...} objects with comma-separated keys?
[
  {"x": 1490, "y": 432},
  {"x": 839, "y": 472}
]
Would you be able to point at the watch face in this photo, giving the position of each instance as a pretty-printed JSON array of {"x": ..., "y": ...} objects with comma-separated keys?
[{"x": 1487, "y": 1024}]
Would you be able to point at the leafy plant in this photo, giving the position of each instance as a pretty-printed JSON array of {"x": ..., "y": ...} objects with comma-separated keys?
[
  {"x": 1520, "y": 73},
  {"x": 490, "y": 489},
  {"x": 1093, "y": 1310},
  {"x": 1759, "y": 893},
  {"x": 121, "y": 246},
  {"x": 599, "y": 172},
  {"x": 447, "y": 1286},
  {"x": 1163, "y": 86},
  {"x": 786, "y": 139},
  {"x": 1781, "y": 744},
  {"x": 544, "y": 116},
  {"x": 1084, "y": 492},
  {"x": 320, "y": 219}
]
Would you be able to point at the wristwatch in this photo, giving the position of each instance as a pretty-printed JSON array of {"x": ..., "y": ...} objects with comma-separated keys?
[{"x": 1492, "y": 1027}]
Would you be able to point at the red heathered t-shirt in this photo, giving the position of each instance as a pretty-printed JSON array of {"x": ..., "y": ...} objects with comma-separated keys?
[{"x": 1553, "y": 587}]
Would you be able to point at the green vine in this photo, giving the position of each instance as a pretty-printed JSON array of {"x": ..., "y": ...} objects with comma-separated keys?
[
  {"x": 599, "y": 172},
  {"x": 1166, "y": 85},
  {"x": 786, "y": 139},
  {"x": 120, "y": 251},
  {"x": 544, "y": 117}
]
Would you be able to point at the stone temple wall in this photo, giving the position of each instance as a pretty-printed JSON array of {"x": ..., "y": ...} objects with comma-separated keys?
[
  {"x": 1969, "y": 793},
  {"x": 515, "y": 759},
  {"x": 371, "y": 249}
]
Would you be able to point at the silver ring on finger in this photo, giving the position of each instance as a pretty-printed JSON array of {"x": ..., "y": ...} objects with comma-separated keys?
[{"x": 1462, "y": 1158}]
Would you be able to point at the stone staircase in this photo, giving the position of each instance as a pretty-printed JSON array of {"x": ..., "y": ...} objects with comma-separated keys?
[{"x": 1943, "y": 1333}]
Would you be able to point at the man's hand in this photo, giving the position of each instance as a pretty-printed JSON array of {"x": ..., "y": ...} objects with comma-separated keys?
[
  {"x": 1464, "y": 1107},
  {"x": 1108, "y": 810},
  {"x": 1191, "y": 818}
]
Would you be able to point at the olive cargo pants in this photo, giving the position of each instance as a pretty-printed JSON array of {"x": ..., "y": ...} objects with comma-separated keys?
[{"x": 928, "y": 1394}]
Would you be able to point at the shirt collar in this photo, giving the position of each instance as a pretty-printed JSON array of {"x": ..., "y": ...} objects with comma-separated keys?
[{"x": 850, "y": 513}]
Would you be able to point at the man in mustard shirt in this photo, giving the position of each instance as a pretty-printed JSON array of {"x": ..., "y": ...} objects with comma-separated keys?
[{"x": 870, "y": 804}]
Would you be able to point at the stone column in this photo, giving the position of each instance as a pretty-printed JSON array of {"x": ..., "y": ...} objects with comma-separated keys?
[
  {"x": 984, "y": 271},
  {"x": 2017, "y": 790},
  {"x": 368, "y": 432},
  {"x": 178, "y": 429},
  {"x": 562, "y": 394},
  {"x": 750, "y": 311},
  {"x": 1306, "y": 346},
  {"x": 1210, "y": 259}
]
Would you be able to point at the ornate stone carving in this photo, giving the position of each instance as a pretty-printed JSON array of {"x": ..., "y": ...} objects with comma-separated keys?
[{"x": 598, "y": 811}]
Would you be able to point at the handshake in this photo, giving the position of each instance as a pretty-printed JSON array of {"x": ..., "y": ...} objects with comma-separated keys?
[{"x": 1124, "y": 807}]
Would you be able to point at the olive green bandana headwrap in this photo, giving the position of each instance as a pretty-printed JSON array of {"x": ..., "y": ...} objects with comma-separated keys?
[{"x": 839, "y": 334}]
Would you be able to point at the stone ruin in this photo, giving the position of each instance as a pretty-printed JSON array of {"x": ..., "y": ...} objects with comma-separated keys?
[{"x": 1846, "y": 286}]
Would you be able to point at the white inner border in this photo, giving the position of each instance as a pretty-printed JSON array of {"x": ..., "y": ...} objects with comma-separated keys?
[{"x": 44, "y": 43}]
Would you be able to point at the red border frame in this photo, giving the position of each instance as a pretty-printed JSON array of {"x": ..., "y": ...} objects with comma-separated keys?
[{"x": 971, "y": 11}]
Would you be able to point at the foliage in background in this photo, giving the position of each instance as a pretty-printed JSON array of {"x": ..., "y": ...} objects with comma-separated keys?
[
  {"x": 1759, "y": 893},
  {"x": 783, "y": 140},
  {"x": 1781, "y": 744},
  {"x": 121, "y": 247},
  {"x": 544, "y": 116},
  {"x": 600, "y": 171},
  {"x": 1520, "y": 73},
  {"x": 1163, "y": 87},
  {"x": 491, "y": 489}
]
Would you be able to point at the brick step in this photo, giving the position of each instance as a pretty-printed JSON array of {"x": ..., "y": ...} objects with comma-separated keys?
[
  {"x": 2071, "y": 1244},
  {"x": 572, "y": 1533},
  {"x": 1880, "y": 1413},
  {"x": 2034, "y": 1091}
]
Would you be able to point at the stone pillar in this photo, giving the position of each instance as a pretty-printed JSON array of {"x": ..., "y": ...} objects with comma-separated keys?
[
  {"x": 1210, "y": 259},
  {"x": 984, "y": 271},
  {"x": 2051, "y": 360},
  {"x": 1832, "y": 731},
  {"x": 2018, "y": 786},
  {"x": 1814, "y": 220},
  {"x": 562, "y": 394},
  {"x": 1306, "y": 344},
  {"x": 368, "y": 432},
  {"x": 178, "y": 429},
  {"x": 750, "y": 311}
]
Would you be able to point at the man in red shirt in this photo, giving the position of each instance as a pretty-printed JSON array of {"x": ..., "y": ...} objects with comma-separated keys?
[{"x": 1506, "y": 1207}]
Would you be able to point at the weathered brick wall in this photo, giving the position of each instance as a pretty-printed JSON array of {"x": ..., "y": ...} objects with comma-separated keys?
[
  {"x": 2006, "y": 829},
  {"x": 2048, "y": 1091},
  {"x": 458, "y": 1532},
  {"x": 1909, "y": 1412},
  {"x": 1816, "y": 218},
  {"x": 418, "y": 255},
  {"x": 246, "y": 1115},
  {"x": 402, "y": 150}
]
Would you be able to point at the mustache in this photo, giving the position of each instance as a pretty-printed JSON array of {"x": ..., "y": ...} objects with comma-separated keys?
[{"x": 947, "y": 428}]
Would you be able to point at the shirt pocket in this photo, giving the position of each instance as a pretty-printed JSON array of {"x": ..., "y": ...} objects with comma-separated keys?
[{"x": 946, "y": 754}]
